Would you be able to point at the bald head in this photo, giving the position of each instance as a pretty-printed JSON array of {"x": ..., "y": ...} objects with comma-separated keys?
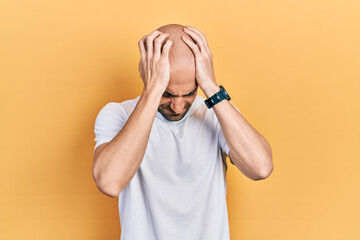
[{"x": 181, "y": 57}]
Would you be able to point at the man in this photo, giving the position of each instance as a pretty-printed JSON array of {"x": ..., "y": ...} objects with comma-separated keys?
[{"x": 163, "y": 154}]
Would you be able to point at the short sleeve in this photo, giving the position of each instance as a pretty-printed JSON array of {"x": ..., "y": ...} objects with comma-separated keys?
[
  {"x": 222, "y": 142},
  {"x": 109, "y": 121}
]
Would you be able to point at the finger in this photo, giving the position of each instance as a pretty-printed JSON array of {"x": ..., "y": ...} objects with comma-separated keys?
[
  {"x": 149, "y": 42},
  {"x": 141, "y": 71},
  {"x": 158, "y": 43},
  {"x": 142, "y": 49},
  {"x": 191, "y": 44},
  {"x": 197, "y": 39},
  {"x": 166, "y": 49},
  {"x": 140, "y": 65},
  {"x": 201, "y": 35}
]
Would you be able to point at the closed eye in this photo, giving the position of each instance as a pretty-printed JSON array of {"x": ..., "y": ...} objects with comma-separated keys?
[{"x": 188, "y": 95}]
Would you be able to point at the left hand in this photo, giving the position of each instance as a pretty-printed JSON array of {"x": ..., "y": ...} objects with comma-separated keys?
[{"x": 205, "y": 76}]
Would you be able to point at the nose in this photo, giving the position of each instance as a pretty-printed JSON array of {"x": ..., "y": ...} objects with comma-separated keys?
[{"x": 177, "y": 105}]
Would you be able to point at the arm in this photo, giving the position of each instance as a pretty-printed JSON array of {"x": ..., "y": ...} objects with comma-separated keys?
[
  {"x": 249, "y": 150},
  {"x": 116, "y": 162}
]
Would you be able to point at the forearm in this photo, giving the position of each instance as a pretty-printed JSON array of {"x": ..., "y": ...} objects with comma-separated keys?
[
  {"x": 250, "y": 152},
  {"x": 120, "y": 159}
]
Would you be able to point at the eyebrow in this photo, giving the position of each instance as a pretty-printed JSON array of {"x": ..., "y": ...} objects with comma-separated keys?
[{"x": 190, "y": 93}]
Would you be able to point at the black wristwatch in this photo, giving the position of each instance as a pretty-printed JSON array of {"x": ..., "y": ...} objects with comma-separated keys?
[{"x": 217, "y": 97}]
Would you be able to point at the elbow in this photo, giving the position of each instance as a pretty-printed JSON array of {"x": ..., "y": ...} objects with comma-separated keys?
[
  {"x": 267, "y": 166},
  {"x": 265, "y": 172},
  {"x": 109, "y": 190},
  {"x": 106, "y": 188}
]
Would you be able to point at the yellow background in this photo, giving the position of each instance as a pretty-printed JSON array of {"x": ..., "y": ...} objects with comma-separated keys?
[{"x": 291, "y": 67}]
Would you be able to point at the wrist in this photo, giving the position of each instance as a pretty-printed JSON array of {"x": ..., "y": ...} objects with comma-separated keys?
[
  {"x": 152, "y": 93},
  {"x": 211, "y": 90}
]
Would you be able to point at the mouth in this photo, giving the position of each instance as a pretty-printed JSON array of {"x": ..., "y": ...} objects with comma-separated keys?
[{"x": 171, "y": 113}]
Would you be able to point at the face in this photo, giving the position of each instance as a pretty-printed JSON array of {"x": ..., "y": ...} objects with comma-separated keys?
[
  {"x": 177, "y": 100},
  {"x": 182, "y": 87}
]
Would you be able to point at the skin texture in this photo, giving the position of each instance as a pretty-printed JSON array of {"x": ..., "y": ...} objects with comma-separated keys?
[
  {"x": 182, "y": 76},
  {"x": 180, "y": 68}
]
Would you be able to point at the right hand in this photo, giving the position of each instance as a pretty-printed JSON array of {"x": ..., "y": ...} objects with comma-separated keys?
[{"x": 154, "y": 65}]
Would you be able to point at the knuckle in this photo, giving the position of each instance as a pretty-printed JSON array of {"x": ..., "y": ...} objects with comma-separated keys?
[
  {"x": 142, "y": 39},
  {"x": 149, "y": 40},
  {"x": 153, "y": 33},
  {"x": 159, "y": 40},
  {"x": 163, "y": 60},
  {"x": 161, "y": 37},
  {"x": 157, "y": 58}
]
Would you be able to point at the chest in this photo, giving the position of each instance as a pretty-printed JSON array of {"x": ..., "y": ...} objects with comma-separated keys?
[{"x": 188, "y": 148}]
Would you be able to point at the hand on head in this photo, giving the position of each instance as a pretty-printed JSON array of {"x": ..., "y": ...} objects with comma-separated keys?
[{"x": 164, "y": 52}]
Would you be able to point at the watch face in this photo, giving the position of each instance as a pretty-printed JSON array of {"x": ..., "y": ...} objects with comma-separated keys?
[{"x": 225, "y": 92}]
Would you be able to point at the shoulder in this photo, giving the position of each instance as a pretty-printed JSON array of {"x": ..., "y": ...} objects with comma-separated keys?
[{"x": 121, "y": 108}]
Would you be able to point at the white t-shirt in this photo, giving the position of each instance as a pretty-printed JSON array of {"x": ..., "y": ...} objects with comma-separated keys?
[{"x": 179, "y": 190}]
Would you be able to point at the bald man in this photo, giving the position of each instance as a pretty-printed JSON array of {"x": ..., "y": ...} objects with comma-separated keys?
[{"x": 163, "y": 153}]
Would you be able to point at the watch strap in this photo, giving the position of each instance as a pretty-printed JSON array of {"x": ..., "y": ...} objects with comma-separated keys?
[{"x": 217, "y": 97}]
